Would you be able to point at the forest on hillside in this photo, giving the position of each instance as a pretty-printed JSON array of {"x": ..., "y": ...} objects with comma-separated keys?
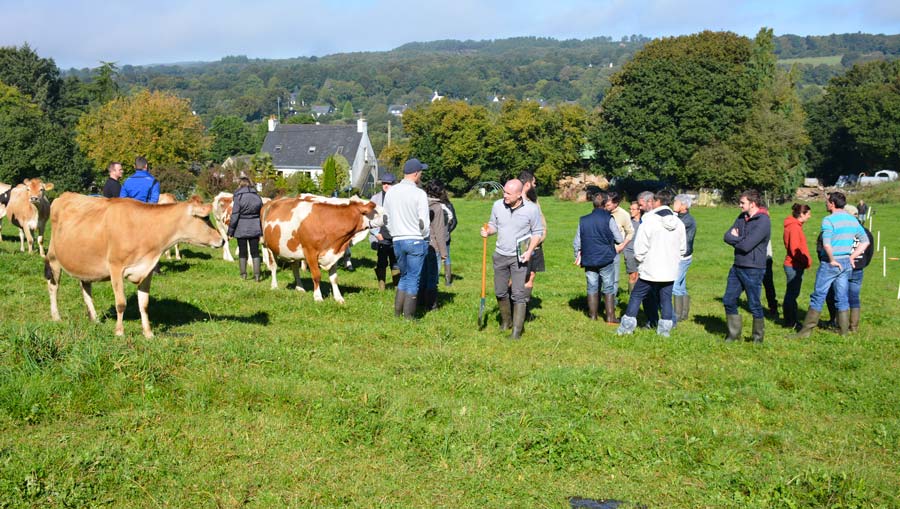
[{"x": 233, "y": 97}]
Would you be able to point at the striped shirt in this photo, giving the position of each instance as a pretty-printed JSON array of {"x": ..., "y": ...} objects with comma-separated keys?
[{"x": 840, "y": 230}]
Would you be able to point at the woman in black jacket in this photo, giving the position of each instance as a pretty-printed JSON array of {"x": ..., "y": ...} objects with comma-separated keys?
[{"x": 245, "y": 225}]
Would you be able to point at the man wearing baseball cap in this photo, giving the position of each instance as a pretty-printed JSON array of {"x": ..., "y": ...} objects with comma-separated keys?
[{"x": 406, "y": 215}]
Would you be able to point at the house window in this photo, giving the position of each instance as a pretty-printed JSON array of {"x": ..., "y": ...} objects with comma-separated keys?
[
  {"x": 312, "y": 149},
  {"x": 277, "y": 148},
  {"x": 340, "y": 150}
]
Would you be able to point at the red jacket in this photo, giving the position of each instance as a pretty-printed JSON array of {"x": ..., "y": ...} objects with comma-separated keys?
[{"x": 795, "y": 243}]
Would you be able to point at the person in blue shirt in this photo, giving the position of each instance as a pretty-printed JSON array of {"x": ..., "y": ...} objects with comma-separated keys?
[
  {"x": 141, "y": 186},
  {"x": 843, "y": 241}
]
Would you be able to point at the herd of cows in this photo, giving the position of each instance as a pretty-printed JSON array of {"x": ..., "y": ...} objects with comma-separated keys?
[{"x": 98, "y": 239}]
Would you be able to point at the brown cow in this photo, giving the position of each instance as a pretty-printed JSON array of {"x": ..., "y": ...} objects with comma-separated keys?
[
  {"x": 99, "y": 239},
  {"x": 318, "y": 230},
  {"x": 165, "y": 199},
  {"x": 29, "y": 209}
]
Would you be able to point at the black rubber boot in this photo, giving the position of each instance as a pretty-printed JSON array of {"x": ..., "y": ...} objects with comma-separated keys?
[
  {"x": 854, "y": 319},
  {"x": 395, "y": 277},
  {"x": 505, "y": 313},
  {"x": 759, "y": 330},
  {"x": 609, "y": 304},
  {"x": 789, "y": 312},
  {"x": 593, "y": 302},
  {"x": 380, "y": 274},
  {"x": 448, "y": 275},
  {"x": 242, "y": 263},
  {"x": 256, "y": 273},
  {"x": 431, "y": 299},
  {"x": 843, "y": 319},
  {"x": 399, "y": 300},
  {"x": 678, "y": 304},
  {"x": 686, "y": 310},
  {"x": 810, "y": 323},
  {"x": 518, "y": 325},
  {"x": 409, "y": 307},
  {"x": 734, "y": 327}
]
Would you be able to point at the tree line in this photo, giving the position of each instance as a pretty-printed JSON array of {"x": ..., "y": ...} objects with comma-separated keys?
[{"x": 711, "y": 109}]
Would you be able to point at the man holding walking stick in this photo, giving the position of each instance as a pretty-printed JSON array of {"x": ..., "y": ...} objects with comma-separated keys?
[{"x": 519, "y": 229}]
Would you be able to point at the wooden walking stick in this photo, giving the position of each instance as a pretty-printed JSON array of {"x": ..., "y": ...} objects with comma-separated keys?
[{"x": 482, "y": 322}]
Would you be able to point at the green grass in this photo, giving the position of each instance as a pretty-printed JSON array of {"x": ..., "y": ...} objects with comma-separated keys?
[
  {"x": 259, "y": 398},
  {"x": 829, "y": 60}
]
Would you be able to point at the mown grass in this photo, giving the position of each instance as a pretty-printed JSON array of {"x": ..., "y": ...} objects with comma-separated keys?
[{"x": 249, "y": 397}]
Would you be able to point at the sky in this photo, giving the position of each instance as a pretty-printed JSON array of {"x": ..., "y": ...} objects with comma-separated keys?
[{"x": 82, "y": 33}]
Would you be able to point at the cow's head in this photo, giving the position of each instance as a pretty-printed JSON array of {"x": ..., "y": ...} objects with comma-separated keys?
[
  {"x": 198, "y": 229},
  {"x": 35, "y": 188},
  {"x": 373, "y": 215}
]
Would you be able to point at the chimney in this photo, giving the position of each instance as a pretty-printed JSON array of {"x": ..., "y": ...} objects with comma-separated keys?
[
  {"x": 272, "y": 123},
  {"x": 361, "y": 125}
]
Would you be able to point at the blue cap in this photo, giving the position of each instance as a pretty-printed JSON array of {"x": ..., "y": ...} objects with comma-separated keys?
[
  {"x": 413, "y": 165},
  {"x": 388, "y": 178}
]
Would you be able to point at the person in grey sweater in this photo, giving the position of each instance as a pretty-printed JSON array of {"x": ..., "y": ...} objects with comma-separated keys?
[
  {"x": 406, "y": 215},
  {"x": 519, "y": 229}
]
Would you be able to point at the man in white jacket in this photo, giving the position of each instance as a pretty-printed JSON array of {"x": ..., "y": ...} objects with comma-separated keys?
[{"x": 659, "y": 245}]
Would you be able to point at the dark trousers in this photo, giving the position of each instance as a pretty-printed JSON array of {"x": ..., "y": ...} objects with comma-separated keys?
[
  {"x": 252, "y": 243},
  {"x": 740, "y": 280},
  {"x": 769, "y": 285},
  {"x": 661, "y": 292},
  {"x": 386, "y": 258},
  {"x": 510, "y": 275}
]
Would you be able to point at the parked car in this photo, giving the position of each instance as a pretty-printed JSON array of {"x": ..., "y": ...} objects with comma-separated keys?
[
  {"x": 879, "y": 177},
  {"x": 847, "y": 181}
]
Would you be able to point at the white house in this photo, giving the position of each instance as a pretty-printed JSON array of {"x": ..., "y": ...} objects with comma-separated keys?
[{"x": 297, "y": 148}]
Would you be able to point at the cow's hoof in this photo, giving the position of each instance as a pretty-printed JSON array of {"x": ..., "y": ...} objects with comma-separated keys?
[
  {"x": 339, "y": 301},
  {"x": 120, "y": 332},
  {"x": 148, "y": 334}
]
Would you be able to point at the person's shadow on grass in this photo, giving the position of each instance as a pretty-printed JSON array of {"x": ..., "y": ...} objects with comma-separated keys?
[{"x": 713, "y": 324}]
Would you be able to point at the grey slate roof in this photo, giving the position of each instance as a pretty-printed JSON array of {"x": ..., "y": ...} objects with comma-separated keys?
[{"x": 290, "y": 144}]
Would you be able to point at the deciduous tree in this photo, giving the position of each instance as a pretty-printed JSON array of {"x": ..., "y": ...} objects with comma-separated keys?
[{"x": 157, "y": 125}]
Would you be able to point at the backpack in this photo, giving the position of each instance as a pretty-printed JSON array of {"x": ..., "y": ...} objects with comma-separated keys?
[{"x": 862, "y": 261}]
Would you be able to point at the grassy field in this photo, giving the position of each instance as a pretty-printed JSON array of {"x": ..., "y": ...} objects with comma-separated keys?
[
  {"x": 249, "y": 397},
  {"x": 830, "y": 60}
]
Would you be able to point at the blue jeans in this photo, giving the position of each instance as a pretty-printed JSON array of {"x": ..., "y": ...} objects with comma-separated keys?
[
  {"x": 794, "y": 279},
  {"x": 594, "y": 275},
  {"x": 828, "y": 275},
  {"x": 410, "y": 258},
  {"x": 679, "y": 289},
  {"x": 662, "y": 291},
  {"x": 748, "y": 280}
]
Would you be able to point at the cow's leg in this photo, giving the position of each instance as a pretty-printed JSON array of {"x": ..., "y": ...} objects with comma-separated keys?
[
  {"x": 22, "y": 237},
  {"x": 143, "y": 293},
  {"x": 226, "y": 249},
  {"x": 272, "y": 265},
  {"x": 315, "y": 272},
  {"x": 295, "y": 267},
  {"x": 332, "y": 277},
  {"x": 168, "y": 254},
  {"x": 40, "y": 242},
  {"x": 88, "y": 300},
  {"x": 51, "y": 273},
  {"x": 177, "y": 253},
  {"x": 118, "y": 286}
]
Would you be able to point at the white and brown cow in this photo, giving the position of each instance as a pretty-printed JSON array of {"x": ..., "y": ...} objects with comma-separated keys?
[
  {"x": 165, "y": 199},
  {"x": 318, "y": 230},
  {"x": 29, "y": 209},
  {"x": 98, "y": 239},
  {"x": 222, "y": 204},
  {"x": 222, "y": 214},
  {"x": 5, "y": 191}
]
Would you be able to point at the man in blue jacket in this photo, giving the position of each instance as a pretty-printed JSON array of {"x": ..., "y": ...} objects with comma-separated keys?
[
  {"x": 749, "y": 236},
  {"x": 141, "y": 186},
  {"x": 595, "y": 250}
]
